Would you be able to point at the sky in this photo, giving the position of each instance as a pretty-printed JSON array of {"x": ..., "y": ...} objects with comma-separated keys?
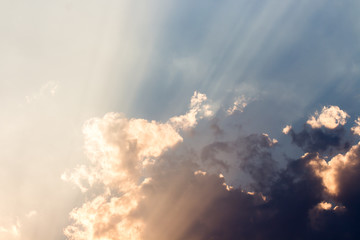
[{"x": 142, "y": 120}]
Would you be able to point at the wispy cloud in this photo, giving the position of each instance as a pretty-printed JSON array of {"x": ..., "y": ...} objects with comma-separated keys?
[
  {"x": 239, "y": 104},
  {"x": 46, "y": 90}
]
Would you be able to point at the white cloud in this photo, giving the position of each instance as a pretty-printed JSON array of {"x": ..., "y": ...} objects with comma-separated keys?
[
  {"x": 122, "y": 152},
  {"x": 198, "y": 110},
  {"x": 329, "y": 117},
  {"x": 287, "y": 129},
  {"x": 119, "y": 148},
  {"x": 356, "y": 129},
  {"x": 105, "y": 218}
]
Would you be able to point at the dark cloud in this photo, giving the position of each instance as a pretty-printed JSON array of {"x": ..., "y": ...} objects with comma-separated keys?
[
  {"x": 321, "y": 140},
  {"x": 296, "y": 191},
  {"x": 214, "y": 125},
  {"x": 255, "y": 157},
  {"x": 348, "y": 175},
  {"x": 209, "y": 152},
  {"x": 192, "y": 206},
  {"x": 252, "y": 154}
]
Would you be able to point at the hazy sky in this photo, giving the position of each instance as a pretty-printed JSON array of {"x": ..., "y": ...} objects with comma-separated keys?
[{"x": 118, "y": 118}]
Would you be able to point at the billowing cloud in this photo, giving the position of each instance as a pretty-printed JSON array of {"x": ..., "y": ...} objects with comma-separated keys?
[
  {"x": 142, "y": 183},
  {"x": 198, "y": 109},
  {"x": 118, "y": 148},
  {"x": 341, "y": 167},
  {"x": 329, "y": 117},
  {"x": 120, "y": 151}
]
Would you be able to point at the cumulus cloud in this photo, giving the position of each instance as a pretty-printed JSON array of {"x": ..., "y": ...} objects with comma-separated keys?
[
  {"x": 143, "y": 185},
  {"x": 198, "y": 109},
  {"x": 120, "y": 151},
  {"x": 333, "y": 171},
  {"x": 137, "y": 200},
  {"x": 356, "y": 129},
  {"x": 118, "y": 148},
  {"x": 329, "y": 117}
]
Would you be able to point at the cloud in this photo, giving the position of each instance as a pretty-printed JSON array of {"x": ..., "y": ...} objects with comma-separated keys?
[
  {"x": 48, "y": 89},
  {"x": 329, "y": 117},
  {"x": 291, "y": 53},
  {"x": 198, "y": 109},
  {"x": 31, "y": 214},
  {"x": 137, "y": 200},
  {"x": 17, "y": 227},
  {"x": 324, "y": 206},
  {"x": 118, "y": 148},
  {"x": 356, "y": 129},
  {"x": 287, "y": 129},
  {"x": 120, "y": 151},
  {"x": 239, "y": 104},
  {"x": 251, "y": 154},
  {"x": 321, "y": 140},
  {"x": 11, "y": 230},
  {"x": 143, "y": 183},
  {"x": 177, "y": 207},
  {"x": 338, "y": 173}
]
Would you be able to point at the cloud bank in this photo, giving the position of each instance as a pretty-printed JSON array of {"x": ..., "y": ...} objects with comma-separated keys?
[{"x": 142, "y": 183}]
